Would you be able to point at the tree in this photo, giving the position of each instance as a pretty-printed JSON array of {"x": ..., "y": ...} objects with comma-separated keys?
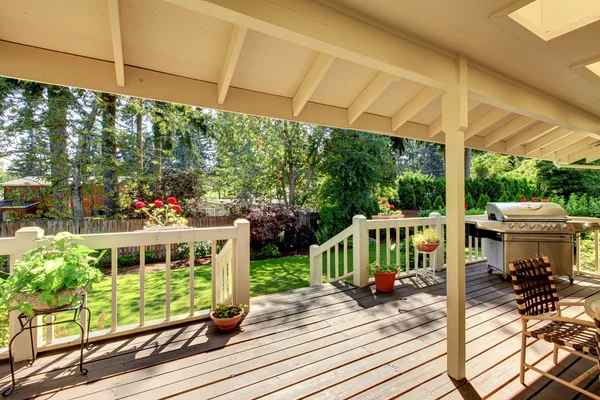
[
  {"x": 563, "y": 181},
  {"x": 438, "y": 204},
  {"x": 482, "y": 201},
  {"x": 356, "y": 165},
  {"x": 109, "y": 152},
  {"x": 426, "y": 205}
]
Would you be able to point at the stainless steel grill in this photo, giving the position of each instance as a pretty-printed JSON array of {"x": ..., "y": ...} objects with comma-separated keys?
[{"x": 521, "y": 230}]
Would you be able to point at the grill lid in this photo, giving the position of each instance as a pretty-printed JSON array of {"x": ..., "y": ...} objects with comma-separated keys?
[{"x": 527, "y": 211}]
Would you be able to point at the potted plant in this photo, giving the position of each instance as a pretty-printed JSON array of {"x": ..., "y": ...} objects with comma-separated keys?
[
  {"x": 227, "y": 316},
  {"x": 51, "y": 276},
  {"x": 162, "y": 215},
  {"x": 427, "y": 241},
  {"x": 385, "y": 276},
  {"x": 387, "y": 211}
]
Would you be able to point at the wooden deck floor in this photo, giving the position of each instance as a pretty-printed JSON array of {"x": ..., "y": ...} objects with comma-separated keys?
[{"x": 323, "y": 342}]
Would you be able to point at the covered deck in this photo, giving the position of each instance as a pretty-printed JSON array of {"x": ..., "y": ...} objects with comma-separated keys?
[{"x": 327, "y": 341}]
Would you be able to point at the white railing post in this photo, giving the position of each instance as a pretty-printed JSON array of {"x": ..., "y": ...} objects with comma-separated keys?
[
  {"x": 316, "y": 266},
  {"x": 241, "y": 288},
  {"x": 439, "y": 256},
  {"x": 24, "y": 241},
  {"x": 360, "y": 240}
]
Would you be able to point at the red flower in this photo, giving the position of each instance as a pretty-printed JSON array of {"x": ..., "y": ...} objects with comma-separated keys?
[
  {"x": 383, "y": 201},
  {"x": 158, "y": 203},
  {"x": 523, "y": 200},
  {"x": 534, "y": 199},
  {"x": 544, "y": 200},
  {"x": 176, "y": 208},
  {"x": 392, "y": 207},
  {"x": 171, "y": 200},
  {"x": 140, "y": 204},
  {"x": 466, "y": 206}
]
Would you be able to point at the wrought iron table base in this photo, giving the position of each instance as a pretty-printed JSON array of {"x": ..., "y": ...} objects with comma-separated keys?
[{"x": 27, "y": 324}]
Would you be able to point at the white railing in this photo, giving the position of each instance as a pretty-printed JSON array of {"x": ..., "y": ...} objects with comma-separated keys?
[
  {"x": 329, "y": 262},
  {"x": 230, "y": 276}
]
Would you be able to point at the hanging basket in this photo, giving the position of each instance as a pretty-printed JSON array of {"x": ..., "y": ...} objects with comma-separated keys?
[
  {"x": 34, "y": 299},
  {"x": 427, "y": 247}
]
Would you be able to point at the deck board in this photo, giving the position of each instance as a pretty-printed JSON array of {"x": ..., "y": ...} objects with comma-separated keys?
[{"x": 330, "y": 341}]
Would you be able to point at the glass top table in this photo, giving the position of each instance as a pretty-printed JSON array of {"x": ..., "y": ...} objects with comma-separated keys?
[{"x": 591, "y": 303}]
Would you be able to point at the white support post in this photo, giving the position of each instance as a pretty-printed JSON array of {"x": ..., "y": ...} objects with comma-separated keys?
[
  {"x": 241, "y": 288},
  {"x": 439, "y": 258},
  {"x": 24, "y": 241},
  {"x": 316, "y": 266},
  {"x": 360, "y": 250},
  {"x": 454, "y": 124}
]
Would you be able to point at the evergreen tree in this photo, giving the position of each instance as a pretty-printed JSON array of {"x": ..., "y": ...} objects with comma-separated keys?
[
  {"x": 469, "y": 201},
  {"x": 426, "y": 205},
  {"x": 438, "y": 204},
  {"x": 482, "y": 201}
]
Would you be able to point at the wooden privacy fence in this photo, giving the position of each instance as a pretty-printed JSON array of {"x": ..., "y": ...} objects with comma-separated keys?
[{"x": 230, "y": 277}]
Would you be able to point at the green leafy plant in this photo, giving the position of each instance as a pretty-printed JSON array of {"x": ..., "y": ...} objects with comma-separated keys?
[
  {"x": 385, "y": 208},
  {"x": 376, "y": 268},
  {"x": 201, "y": 250},
  {"x": 59, "y": 264},
  {"x": 224, "y": 310},
  {"x": 429, "y": 235},
  {"x": 426, "y": 205},
  {"x": 438, "y": 204},
  {"x": 269, "y": 250}
]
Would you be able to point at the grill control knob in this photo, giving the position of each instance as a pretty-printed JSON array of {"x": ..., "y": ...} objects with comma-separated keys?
[
  {"x": 521, "y": 226},
  {"x": 543, "y": 226},
  {"x": 511, "y": 225},
  {"x": 563, "y": 226},
  {"x": 531, "y": 226},
  {"x": 553, "y": 226}
]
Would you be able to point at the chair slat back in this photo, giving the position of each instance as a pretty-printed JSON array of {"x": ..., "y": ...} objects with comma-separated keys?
[{"x": 534, "y": 286}]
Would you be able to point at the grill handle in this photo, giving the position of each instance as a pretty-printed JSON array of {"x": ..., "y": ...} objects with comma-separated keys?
[{"x": 540, "y": 238}]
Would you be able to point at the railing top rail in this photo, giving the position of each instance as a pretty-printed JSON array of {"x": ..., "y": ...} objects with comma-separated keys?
[
  {"x": 401, "y": 222},
  {"x": 346, "y": 233},
  {"x": 7, "y": 246}
]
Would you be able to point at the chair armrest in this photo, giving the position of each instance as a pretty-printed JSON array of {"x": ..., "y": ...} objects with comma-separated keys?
[{"x": 559, "y": 319}]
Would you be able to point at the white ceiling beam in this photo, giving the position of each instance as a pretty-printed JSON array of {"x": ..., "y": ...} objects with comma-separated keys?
[
  {"x": 547, "y": 139},
  {"x": 489, "y": 118},
  {"x": 561, "y": 144},
  {"x": 114, "y": 16},
  {"x": 236, "y": 41},
  {"x": 529, "y": 135},
  {"x": 314, "y": 25},
  {"x": 414, "y": 105},
  {"x": 435, "y": 127},
  {"x": 310, "y": 82},
  {"x": 575, "y": 147},
  {"x": 506, "y": 130},
  {"x": 581, "y": 154},
  {"x": 369, "y": 95},
  {"x": 493, "y": 89}
]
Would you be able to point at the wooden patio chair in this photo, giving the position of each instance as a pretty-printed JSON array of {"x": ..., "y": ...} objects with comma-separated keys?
[{"x": 537, "y": 300}]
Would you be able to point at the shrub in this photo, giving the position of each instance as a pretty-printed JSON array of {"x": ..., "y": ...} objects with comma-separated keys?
[
  {"x": 482, "y": 202},
  {"x": 201, "y": 250},
  {"x": 426, "y": 205},
  {"x": 469, "y": 201},
  {"x": 504, "y": 198},
  {"x": 438, "y": 204},
  {"x": 3, "y": 262},
  {"x": 128, "y": 260},
  {"x": 269, "y": 250}
]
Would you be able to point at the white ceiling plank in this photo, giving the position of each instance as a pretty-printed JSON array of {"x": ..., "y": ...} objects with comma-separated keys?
[
  {"x": 531, "y": 134},
  {"x": 562, "y": 143},
  {"x": 547, "y": 139},
  {"x": 236, "y": 41},
  {"x": 312, "y": 79},
  {"x": 114, "y": 16},
  {"x": 316, "y": 26},
  {"x": 484, "y": 121},
  {"x": 575, "y": 147},
  {"x": 506, "y": 130},
  {"x": 369, "y": 95},
  {"x": 413, "y": 106}
]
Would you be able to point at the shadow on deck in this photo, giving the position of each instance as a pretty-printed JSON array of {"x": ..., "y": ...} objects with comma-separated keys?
[{"x": 331, "y": 341}]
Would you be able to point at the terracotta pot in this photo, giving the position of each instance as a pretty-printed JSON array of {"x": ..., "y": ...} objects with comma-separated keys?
[
  {"x": 427, "y": 247},
  {"x": 387, "y": 216},
  {"x": 227, "y": 324},
  {"x": 384, "y": 281}
]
